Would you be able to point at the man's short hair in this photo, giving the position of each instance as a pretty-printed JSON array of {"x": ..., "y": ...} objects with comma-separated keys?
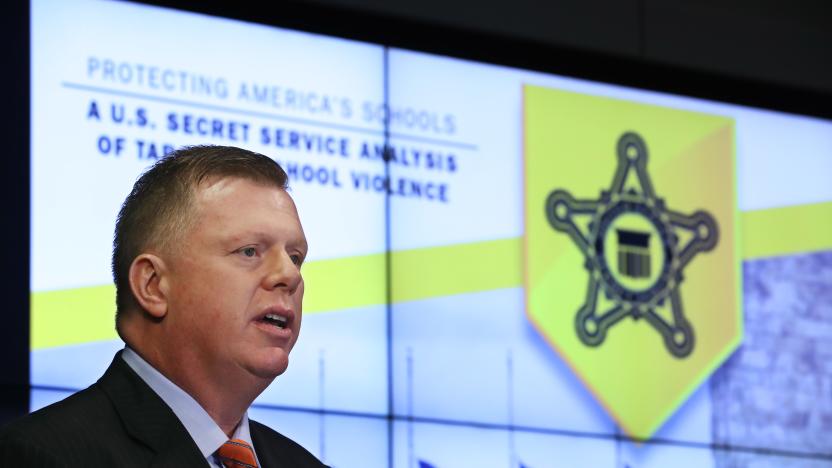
[{"x": 159, "y": 208}]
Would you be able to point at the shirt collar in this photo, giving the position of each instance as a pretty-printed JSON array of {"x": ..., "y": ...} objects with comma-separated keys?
[{"x": 203, "y": 430}]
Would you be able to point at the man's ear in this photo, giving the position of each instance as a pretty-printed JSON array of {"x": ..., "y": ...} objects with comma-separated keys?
[{"x": 148, "y": 281}]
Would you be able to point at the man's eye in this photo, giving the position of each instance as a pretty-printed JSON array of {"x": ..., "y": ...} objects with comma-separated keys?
[
  {"x": 249, "y": 251},
  {"x": 297, "y": 259}
]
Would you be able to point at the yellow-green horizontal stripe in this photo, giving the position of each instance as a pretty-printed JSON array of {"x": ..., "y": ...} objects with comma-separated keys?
[
  {"x": 788, "y": 230},
  {"x": 72, "y": 316},
  {"x": 456, "y": 269},
  {"x": 86, "y": 314},
  {"x": 344, "y": 283}
]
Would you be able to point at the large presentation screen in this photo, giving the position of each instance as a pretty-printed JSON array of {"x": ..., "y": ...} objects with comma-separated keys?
[
  {"x": 507, "y": 268},
  {"x": 613, "y": 277}
]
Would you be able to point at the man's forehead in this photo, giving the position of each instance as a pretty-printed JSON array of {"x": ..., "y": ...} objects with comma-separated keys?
[
  {"x": 243, "y": 202},
  {"x": 216, "y": 188},
  {"x": 218, "y": 184}
]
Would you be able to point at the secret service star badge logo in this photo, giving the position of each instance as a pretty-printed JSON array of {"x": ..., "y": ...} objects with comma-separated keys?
[{"x": 635, "y": 251}]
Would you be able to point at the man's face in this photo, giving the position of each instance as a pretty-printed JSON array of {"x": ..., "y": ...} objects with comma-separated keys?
[{"x": 235, "y": 289}]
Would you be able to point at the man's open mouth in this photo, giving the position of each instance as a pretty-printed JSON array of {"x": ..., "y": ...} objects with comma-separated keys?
[{"x": 277, "y": 320}]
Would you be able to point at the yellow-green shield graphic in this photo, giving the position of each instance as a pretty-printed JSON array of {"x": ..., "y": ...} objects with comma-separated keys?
[{"x": 632, "y": 264}]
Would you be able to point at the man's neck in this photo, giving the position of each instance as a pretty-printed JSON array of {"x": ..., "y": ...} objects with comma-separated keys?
[{"x": 226, "y": 400}]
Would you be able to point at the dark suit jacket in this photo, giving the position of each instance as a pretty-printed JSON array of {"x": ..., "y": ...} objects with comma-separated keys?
[{"x": 120, "y": 422}]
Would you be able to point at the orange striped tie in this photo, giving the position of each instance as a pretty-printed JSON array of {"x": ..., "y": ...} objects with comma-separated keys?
[{"x": 237, "y": 454}]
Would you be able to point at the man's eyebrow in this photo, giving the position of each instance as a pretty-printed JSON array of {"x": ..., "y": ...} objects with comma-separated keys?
[
  {"x": 262, "y": 236},
  {"x": 303, "y": 245},
  {"x": 232, "y": 240},
  {"x": 247, "y": 235}
]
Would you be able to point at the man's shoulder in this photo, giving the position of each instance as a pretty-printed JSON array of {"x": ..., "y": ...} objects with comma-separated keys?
[
  {"x": 56, "y": 431},
  {"x": 114, "y": 422},
  {"x": 72, "y": 414},
  {"x": 268, "y": 443}
]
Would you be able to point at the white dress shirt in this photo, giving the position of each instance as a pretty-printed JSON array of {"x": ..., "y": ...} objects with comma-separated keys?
[{"x": 203, "y": 430}]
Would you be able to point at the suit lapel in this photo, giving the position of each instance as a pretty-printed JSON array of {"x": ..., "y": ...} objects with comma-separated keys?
[
  {"x": 147, "y": 418},
  {"x": 268, "y": 451}
]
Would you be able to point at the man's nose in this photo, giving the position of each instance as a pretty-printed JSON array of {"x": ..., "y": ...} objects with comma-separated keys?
[{"x": 282, "y": 273}]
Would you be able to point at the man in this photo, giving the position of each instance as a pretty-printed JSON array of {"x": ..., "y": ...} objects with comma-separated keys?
[{"x": 206, "y": 260}]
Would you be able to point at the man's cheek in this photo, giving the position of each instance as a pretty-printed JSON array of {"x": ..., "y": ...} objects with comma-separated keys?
[{"x": 299, "y": 293}]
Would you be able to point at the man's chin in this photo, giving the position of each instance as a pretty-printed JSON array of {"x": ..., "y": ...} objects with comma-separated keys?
[{"x": 269, "y": 367}]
